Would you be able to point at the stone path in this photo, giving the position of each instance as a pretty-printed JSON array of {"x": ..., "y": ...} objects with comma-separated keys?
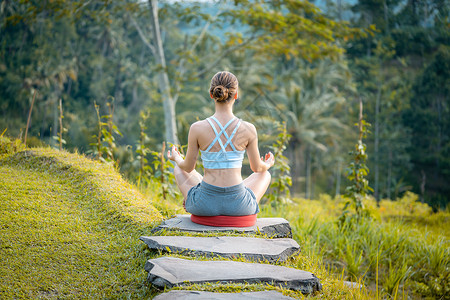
[
  {"x": 168, "y": 272},
  {"x": 272, "y": 227},
  {"x": 196, "y": 295},
  {"x": 255, "y": 249},
  {"x": 171, "y": 271}
]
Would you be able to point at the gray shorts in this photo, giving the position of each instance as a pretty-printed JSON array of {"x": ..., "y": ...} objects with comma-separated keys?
[{"x": 209, "y": 200}]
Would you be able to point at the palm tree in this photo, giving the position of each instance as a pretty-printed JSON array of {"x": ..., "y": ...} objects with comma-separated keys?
[{"x": 309, "y": 99}]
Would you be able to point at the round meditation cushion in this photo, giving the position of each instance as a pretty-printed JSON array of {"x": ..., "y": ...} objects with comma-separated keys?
[{"x": 225, "y": 221}]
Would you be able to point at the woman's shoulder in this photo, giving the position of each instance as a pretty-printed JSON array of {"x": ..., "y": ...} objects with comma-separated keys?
[
  {"x": 248, "y": 126},
  {"x": 199, "y": 125}
]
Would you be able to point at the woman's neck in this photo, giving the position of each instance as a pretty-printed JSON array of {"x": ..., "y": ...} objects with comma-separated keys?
[{"x": 224, "y": 110}]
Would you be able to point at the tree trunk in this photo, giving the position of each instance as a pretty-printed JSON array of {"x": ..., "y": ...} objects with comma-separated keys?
[
  {"x": 338, "y": 179},
  {"x": 339, "y": 7},
  {"x": 422, "y": 186},
  {"x": 136, "y": 105},
  {"x": 55, "y": 122},
  {"x": 389, "y": 175},
  {"x": 376, "y": 146},
  {"x": 308, "y": 174},
  {"x": 163, "y": 77},
  {"x": 439, "y": 137},
  {"x": 118, "y": 93},
  {"x": 386, "y": 19}
]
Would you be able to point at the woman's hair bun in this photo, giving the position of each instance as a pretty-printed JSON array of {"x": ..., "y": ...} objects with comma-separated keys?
[
  {"x": 220, "y": 93},
  {"x": 224, "y": 86}
]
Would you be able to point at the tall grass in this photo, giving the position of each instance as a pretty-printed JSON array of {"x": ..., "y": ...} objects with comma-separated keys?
[{"x": 387, "y": 253}]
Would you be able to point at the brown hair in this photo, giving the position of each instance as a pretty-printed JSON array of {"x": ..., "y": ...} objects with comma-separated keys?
[{"x": 224, "y": 86}]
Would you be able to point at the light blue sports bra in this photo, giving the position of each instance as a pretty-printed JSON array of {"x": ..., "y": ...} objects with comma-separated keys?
[{"x": 222, "y": 159}]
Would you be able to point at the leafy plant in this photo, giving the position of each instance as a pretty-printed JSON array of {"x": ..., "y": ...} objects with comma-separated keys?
[
  {"x": 163, "y": 173},
  {"x": 281, "y": 179},
  {"x": 29, "y": 117},
  {"x": 10, "y": 146},
  {"x": 142, "y": 150},
  {"x": 356, "y": 173},
  {"x": 105, "y": 140},
  {"x": 59, "y": 137}
]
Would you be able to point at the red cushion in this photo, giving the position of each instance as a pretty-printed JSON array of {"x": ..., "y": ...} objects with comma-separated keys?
[{"x": 225, "y": 221}]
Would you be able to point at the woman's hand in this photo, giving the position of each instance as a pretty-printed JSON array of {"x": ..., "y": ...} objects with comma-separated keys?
[
  {"x": 174, "y": 155},
  {"x": 269, "y": 159}
]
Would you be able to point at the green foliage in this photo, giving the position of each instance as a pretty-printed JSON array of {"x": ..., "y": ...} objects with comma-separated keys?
[
  {"x": 426, "y": 117},
  {"x": 105, "y": 141},
  {"x": 293, "y": 29},
  {"x": 163, "y": 174},
  {"x": 61, "y": 129},
  {"x": 10, "y": 146},
  {"x": 395, "y": 253},
  {"x": 281, "y": 179},
  {"x": 83, "y": 224},
  {"x": 402, "y": 103},
  {"x": 142, "y": 149},
  {"x": 356, "y": 174},
  {"x": 85, "y": 210},
  {"x": 286, "y": 53}
]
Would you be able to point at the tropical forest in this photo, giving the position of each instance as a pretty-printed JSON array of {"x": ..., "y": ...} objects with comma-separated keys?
[{"x": 352, "y": 97}]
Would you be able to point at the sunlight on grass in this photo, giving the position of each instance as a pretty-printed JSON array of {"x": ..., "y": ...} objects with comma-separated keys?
[
  {"x": 412, "y": 258},
  {"x": 70, "y": 228}
]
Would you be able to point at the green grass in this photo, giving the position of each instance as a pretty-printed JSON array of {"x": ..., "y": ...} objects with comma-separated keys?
[
  {"x": 399, "y": 252},
  {"x": 69, "y": 228}
]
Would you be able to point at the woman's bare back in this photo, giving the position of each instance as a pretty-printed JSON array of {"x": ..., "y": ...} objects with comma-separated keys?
[{"x": 205, "y": 136}]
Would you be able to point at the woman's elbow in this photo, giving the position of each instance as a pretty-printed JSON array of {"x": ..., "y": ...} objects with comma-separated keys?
[
  {"x": 259, "y": 169},
  {"x": 189, "y": 170},
  {"x": 185, "y": 168}
]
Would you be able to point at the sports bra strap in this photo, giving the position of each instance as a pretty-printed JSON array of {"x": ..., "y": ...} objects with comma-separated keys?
[
  {"x": 222, "y": 131},
  {"x": 231, "y": 137},
  {"x": 216, "y": 138}
]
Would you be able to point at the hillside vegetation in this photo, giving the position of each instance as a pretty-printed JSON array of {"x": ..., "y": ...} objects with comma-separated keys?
[
  {"x": 69, "y": 227},
  {"x": 401, "y": 252}
]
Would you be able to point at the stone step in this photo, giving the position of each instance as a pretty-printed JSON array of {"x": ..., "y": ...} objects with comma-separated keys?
[
  {"x": 170, "y": 271},
  {"x": 273, "y": 227},
  {"x": 197, "y": 295},
  {"x": 256, "y": 249}
]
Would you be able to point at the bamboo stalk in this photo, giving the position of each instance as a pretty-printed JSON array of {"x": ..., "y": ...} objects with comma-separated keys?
[
  {"x": 141, "y": 160},
  {"x": 360, "y": 119},
  {"x": 162, "y": 169},
  {"x": 29, "y": 118},
  {"x": 60, "y": 124}
]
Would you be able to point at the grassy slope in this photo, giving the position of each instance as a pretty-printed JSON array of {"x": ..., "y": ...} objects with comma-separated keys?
[{"x": 69, "y": 228}]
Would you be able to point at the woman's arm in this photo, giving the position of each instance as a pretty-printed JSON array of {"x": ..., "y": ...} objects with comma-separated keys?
[
  {"x": 257, "y": 164},
  {"x": 188, "y": 163}
]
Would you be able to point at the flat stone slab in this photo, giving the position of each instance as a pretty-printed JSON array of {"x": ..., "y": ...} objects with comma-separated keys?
[
  {"x": 170, "y": 271},
  {"x": 197, "y": 295},
  {"x": 273, "y": 227},
  {"x": 256, "y": 249}
]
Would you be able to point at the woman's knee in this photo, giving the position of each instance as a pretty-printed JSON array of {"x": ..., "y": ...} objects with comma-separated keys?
[
  {"x": 178, "y": 171},
  {"x": 266, "y": 177},
  {"x": 180, "y": 174}
]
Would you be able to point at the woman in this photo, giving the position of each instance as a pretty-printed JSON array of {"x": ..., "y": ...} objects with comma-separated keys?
[{"x": 222, "y": 140}]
